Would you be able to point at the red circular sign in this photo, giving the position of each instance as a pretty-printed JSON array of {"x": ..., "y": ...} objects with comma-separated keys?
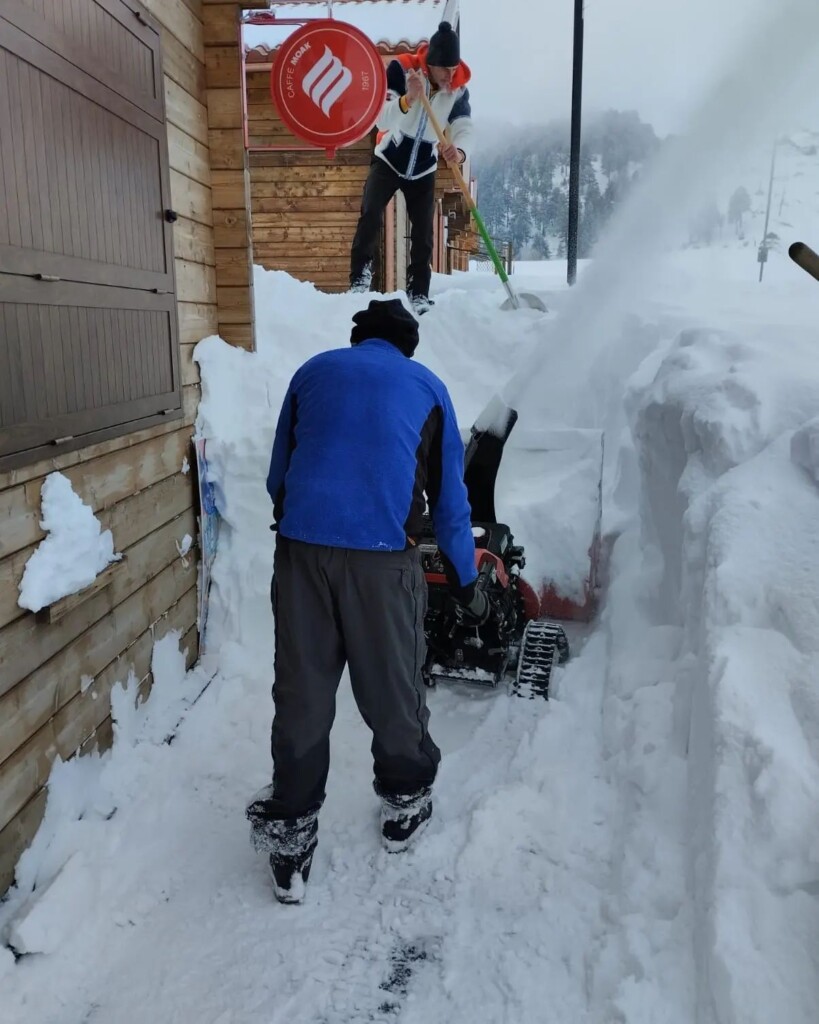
[{"x": 328, "y": 83}]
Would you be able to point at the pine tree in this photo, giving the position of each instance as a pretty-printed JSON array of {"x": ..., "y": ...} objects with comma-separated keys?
[
  {"x": 523, "y": 185},
  {"x": 738, "y": 206}
]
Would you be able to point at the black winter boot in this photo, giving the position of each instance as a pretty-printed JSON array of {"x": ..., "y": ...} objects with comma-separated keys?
[
  {"x": 289, "y": 843},
  {"x": 290, "y": 875},
  {"x": 404, "y": 817},
  {"x": 420, "y": 303}
]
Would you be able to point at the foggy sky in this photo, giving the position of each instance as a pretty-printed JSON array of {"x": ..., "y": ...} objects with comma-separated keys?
[{"x": 654, "y": 56}]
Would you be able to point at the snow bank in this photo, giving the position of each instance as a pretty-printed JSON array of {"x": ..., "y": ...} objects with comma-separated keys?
[
  {"x": 74, "y": 552},
  {"x": 805, "y": 448},
  {"x": 724, "y": 434},
  {"x": 65, "y": 874},
  {"x": 468, "y": 340}
]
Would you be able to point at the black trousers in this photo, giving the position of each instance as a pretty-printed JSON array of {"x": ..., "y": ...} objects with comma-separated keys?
[
  {"x": 336, "y": 606},
  {"x": 382, "y": 184}
]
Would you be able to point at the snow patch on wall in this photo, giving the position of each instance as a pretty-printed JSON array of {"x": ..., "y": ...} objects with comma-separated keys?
[{"x": 75, "y": 551}]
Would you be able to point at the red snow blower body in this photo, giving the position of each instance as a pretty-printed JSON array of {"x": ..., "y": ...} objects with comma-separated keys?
[{"x": 515, "y": 645}]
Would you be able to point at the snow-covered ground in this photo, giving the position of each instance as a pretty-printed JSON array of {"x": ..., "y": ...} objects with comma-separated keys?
[{"x": 644, "y": 848}]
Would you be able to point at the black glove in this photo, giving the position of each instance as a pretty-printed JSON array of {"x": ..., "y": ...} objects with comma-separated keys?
[{"x": 476, "y": 611}]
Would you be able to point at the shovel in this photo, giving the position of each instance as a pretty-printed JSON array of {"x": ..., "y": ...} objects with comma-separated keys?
[{"x": 514, "y": 301}]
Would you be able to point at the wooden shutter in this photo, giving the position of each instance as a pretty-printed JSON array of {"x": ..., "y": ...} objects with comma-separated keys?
[{"x": 88, "y": 335}]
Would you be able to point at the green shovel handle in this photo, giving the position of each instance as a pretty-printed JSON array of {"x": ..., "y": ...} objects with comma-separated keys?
[{"x": 490, "y": 248}]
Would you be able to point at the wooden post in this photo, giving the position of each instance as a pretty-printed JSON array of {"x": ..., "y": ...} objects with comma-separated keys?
[{"x": 229, "y": 172}]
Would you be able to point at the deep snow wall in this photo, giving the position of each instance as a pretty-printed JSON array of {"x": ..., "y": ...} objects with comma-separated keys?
[{"x": 725, "y": 434}]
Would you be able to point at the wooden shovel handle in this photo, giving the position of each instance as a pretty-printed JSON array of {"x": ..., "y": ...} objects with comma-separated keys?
[{"x": 442, "y": 139}]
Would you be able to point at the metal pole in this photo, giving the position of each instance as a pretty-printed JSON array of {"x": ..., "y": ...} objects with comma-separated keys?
[
  {"x": 574, "y": 156},
  {"x": 763, "y": 249}
]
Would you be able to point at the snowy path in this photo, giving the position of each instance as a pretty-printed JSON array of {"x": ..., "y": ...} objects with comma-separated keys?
[
  {"x": 557, "y": 881},
  {"x": 504, "y": 912},
  {"x": 500, "y": 903},
  {"x": 550, "y": 886}
]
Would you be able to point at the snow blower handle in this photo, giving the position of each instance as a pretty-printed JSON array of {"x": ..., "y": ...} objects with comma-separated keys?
[
  {"x": 803, "y": 256},
  {"x": 470, "y": 202}
]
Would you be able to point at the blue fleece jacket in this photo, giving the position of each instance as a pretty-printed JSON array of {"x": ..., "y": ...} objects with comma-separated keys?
[{"x": 363, "y": 435}]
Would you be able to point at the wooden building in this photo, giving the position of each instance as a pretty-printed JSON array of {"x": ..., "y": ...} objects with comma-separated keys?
[
  {"x": 305, "y": 206},
  {"x": 122, "y": 181}
]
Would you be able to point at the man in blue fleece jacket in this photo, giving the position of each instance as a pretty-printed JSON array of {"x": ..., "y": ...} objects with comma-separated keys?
[{"x": 365, "y": 439}]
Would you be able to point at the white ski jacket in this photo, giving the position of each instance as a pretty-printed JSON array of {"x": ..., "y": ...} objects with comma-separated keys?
[{"x": 407, "y": 141}]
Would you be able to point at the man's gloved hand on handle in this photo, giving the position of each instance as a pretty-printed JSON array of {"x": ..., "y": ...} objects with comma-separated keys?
[
  {"x": 476, "y": 611},
  {"x": 416, "y": 87}
]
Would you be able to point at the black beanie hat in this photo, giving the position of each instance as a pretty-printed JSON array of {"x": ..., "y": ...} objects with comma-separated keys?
[
  {"x": 444, "y": 48},
  {"x": 388, "y": 319}
]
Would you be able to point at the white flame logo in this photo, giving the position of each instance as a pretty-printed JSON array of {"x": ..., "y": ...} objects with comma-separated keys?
[{"x": 327, "y": 81}]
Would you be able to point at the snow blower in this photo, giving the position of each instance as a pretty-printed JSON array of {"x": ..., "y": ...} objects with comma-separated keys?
[{"x": 515, "y": 645}]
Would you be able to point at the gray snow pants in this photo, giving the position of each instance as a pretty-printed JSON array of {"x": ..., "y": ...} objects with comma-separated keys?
[{"x": 336, "y": 606}]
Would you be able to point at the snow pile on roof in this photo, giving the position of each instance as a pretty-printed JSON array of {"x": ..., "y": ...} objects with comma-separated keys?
[
  {"x": 75, "y": 551},
  {"x": 411, "y": 21}
]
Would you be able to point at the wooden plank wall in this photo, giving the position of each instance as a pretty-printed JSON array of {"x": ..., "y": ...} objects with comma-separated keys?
[
  {"x": 135, "y": 484},
  {"x": 305, "y": 207}
]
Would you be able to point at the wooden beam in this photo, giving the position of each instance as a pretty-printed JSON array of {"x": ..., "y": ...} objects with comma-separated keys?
[
  {"x": 222, "y": 69},
  {"x": 308, "y": 158},
  {"x": 185, "y": 112},
  {"x": 307, "y": 204},
  {"x": 291, "y": 174},
  {"x": 195, "y": 282},
  {"x": 304, "y": 221},
  {"x": 229, "y": 177},
  {"x": 180, "y": 21},
  {"x": 336, "y": 263},
  {"x": 312, "y": 189},
  {"x": 231, "y": 271},
  {"x": 20, "y": 832},
  {"x": 101, "y": 482},
  {"x": 235, "y": 306},
  {"x": 229, "y": 189},
  {"x": 314, "y": 236},
  {"x": 240, "y": 335},
  {"x": 188, "y": 368},
  {"x": 18, "y": 835},
  {"x": 221, "y": 24},
  {"x": 59, "y": 609},
  {"x": 230, "y": 228},
  {"x": 24, "y": 773},
  {"x": 190, "y": 199},
  {"x": 59, "y": 463},
  {"x": 196, "y": 321},
  {"x": 188, "y": 156},
  {"x": 180, "y": 63},
  {"x": 224, "y": 108},
  {"x": 193, "y": 242},
  {"x": 227, "y": 149}
]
